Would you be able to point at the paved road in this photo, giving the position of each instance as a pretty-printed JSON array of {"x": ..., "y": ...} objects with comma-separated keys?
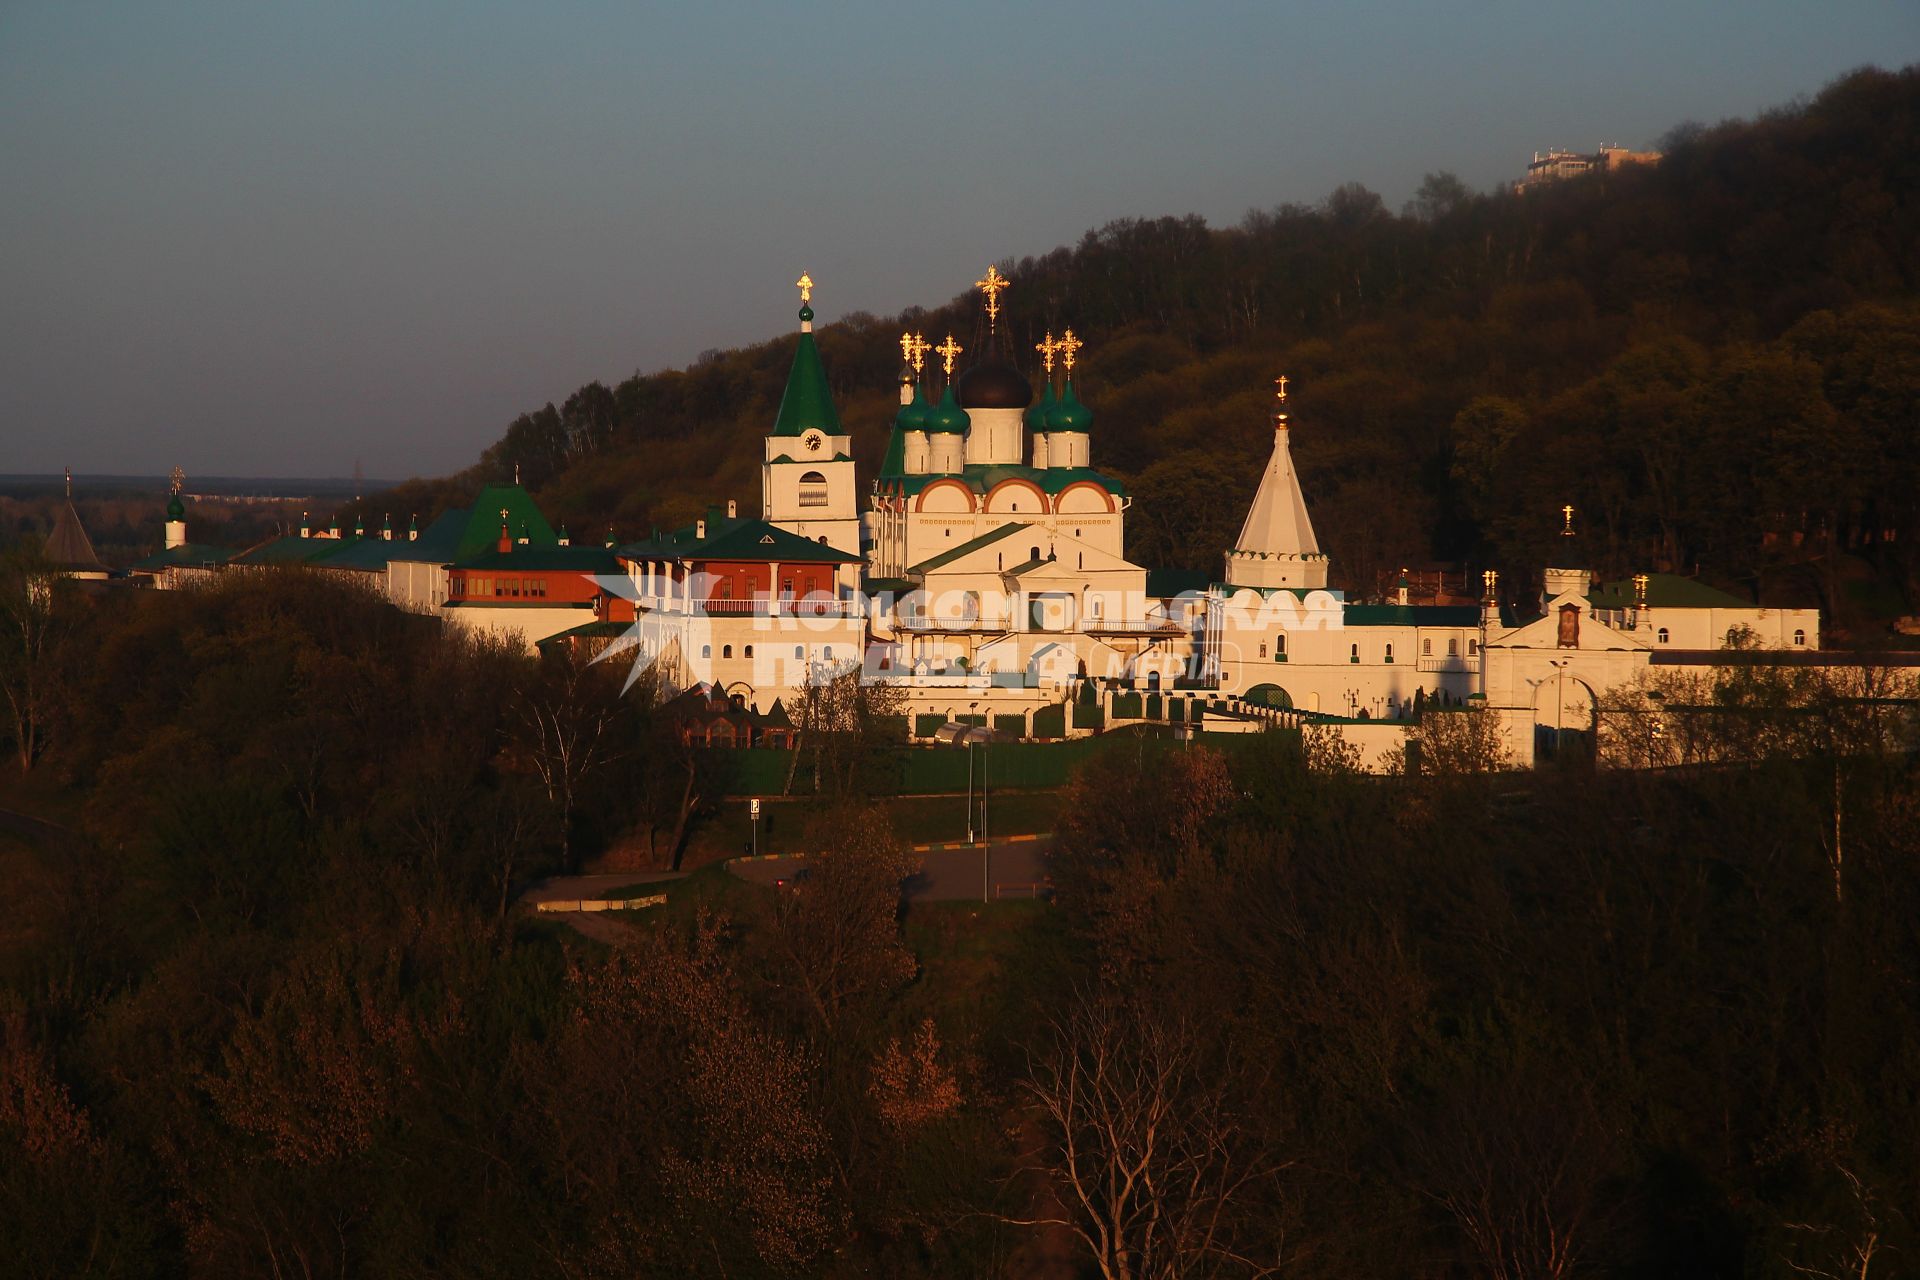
[{"x": 1013, "y": 867}]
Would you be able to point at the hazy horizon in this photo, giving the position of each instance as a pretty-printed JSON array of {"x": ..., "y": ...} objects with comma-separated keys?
[{"x": 275, "y": 244}]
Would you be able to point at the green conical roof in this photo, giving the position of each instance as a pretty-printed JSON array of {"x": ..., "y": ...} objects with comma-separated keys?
[
  {"x": 912, "y": 417},
  {"x": 1038, "y": 411},
  {"x": 913, "y": 414},
  {"x": 1069, "y": 414},
  {"x": 807, "y": 404},
  {"x": 948, "y": 417}
]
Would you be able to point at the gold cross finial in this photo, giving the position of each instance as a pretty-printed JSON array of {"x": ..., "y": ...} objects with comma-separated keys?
[
  {"x": 1068, "y": 345},
  {"x": 179, "y": 479},
  {"x": 914, "y": 347},
  {"x": 503, "y": 515},
  {"x": 1047, "y": 348},
  {"x": 1566, "y": 514},
  {"x": 805, "y": 285},
  {"x": 991, "y": 285},
  {"x": 1281, "y": 382},
  {"x": 949, "y": 352}
]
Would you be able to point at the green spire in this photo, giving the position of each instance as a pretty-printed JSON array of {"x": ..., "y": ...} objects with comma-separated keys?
[
  {"x": 1037, "y": 412},
  {"x": 807, "y": 404},
  {"x": 948, "y": 416},
  {"x": 1069, "y": 414}
]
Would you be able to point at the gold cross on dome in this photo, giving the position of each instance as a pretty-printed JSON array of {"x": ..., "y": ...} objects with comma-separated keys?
[
  {"x": 991, "y": 285},
  {"x": 805, "y": 285},
  {"x": 949, "y": 352},
  {"x": 1047, "y": 348},
  {"x": 1068, "y": 345},
  {"x": 1281, "y": 382},
  {"x": 914, "y": 348},
  {"x": 179, "y": 479},
  {"x": 1566, "y": 513}
]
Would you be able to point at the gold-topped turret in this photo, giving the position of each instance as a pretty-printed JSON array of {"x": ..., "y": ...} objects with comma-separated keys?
[
  {"x": 913, "y": 349},
  {"x": 1068, "y": 346},
  {"x": 991, "y": 284}
]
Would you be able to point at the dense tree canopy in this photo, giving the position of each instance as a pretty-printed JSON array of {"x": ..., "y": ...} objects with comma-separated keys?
[{"x": 1716, "y": 359}]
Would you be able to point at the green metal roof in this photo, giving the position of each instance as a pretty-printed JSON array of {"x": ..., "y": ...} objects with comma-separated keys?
[
  {"x": 807, "y": 403},
  {"x": 532, "y": 556},
  {"x": 1665, "y": 591},
  {"x": 294, "y": 549},
  {"x": 370, "y": 554},
  {"x": 523, "y": 518},
  {"x": 981, "y": 477},
  {"x": 1176, "y": 582},
  {"x": 1411, "y": 615},
  {"x": 734, "y": 538},
  {"x": 192, "y": 555},
  {"x": 984, "y": 540}
]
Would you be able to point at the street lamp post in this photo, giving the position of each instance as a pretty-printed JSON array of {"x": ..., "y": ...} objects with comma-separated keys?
[
  {"x": 968, "y": 731},
  {"x": 985, "y": 846}
]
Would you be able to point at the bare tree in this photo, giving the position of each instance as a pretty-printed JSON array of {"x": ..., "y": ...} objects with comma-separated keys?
[
  {"x": 33, "y": 614},
  {"x": 843, "y": 720},
  {"x": 839, "y": 931},
  {"x": 572, "y": 725},
  {"x": 1144, "y": 1160}
]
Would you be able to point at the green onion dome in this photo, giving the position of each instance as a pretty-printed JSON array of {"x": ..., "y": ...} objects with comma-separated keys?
[
  {"x": 176, "y": 509},
  {"x": 914, "y": 414},
  {"x": 1069, "y": 414},
  {"x": 1037, "y": 413},
  {"x": 948, "y": 417}
]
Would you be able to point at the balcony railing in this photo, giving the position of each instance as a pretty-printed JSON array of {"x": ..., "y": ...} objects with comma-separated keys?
[{"x": 806, "y": 607}]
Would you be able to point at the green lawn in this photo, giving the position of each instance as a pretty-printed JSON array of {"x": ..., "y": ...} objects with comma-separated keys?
[{"x": 917, "y": 820}]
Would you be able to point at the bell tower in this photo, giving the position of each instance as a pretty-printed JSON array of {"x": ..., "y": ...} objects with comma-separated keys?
[{"x": 807, "y": 481}]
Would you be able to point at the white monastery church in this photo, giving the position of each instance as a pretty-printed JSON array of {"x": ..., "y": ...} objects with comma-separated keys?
[{"x": 984, "y": 572}]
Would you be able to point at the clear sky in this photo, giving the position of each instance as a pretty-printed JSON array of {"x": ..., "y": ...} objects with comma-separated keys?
[{"x": 264, "y": 238}]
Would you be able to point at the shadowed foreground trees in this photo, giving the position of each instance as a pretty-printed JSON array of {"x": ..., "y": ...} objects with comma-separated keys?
[{"x": 262, "y": 1011}]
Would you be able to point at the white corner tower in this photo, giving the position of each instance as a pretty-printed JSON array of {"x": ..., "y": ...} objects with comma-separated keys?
[{"x": 1276, "y": 548}]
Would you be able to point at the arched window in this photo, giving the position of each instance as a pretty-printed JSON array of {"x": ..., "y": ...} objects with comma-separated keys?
[
  {"x": 747, "y": 652},
  {"x": 1661, "y": 635},
  {"x": 1389, "y": 652},
  {"x": 1033, "y": 553},
  {"x": 1426, "y": 646},
  {"x": 1280, "y": 645},
  {"x": 1473, "y": 648},
  {"x": 726, "y": 651},
  {"x": 1453, "y": 646},
  {"x": 813, "y": 490},
  {"x": 1799, "y": 636},
  {"x": 1263, "y": 648},
  {"x": 1353, "y": 653},
  {"x": 706, "y": 651},
  {"x": 828, "y": 653},
  {"x": 799, "y": 651}
]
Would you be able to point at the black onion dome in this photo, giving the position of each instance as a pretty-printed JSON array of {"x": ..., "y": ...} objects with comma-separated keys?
[{"x": 994, "y": 386}]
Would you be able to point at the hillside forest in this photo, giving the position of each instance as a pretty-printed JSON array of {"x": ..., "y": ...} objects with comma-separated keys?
[{"x": 1716, "y": 360}]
